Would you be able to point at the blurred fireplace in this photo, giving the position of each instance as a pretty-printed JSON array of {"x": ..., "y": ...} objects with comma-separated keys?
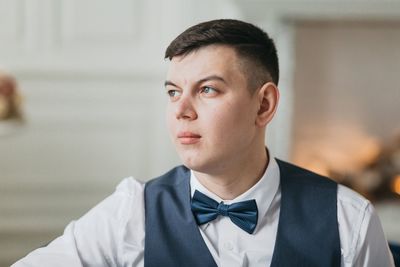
[{"x": 347, "y": 99}]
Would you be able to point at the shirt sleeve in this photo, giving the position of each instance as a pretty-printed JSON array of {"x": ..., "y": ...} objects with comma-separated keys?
[
  {"x": 372, "y": 246},
  {"x": 98, "y": 237},
  {"x": 362, "y": 239}
]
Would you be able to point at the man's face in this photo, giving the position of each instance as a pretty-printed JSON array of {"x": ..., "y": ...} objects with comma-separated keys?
[{"x": 211, "y": 113}]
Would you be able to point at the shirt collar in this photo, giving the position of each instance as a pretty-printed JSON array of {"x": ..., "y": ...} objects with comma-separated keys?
[{"x": 263, "y": 191}]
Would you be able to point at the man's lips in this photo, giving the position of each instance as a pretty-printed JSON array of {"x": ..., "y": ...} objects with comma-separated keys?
[{"x": 188, "y": 138}]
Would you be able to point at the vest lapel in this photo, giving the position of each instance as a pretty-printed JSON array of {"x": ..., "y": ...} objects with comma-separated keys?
[
  {"x": 308, "y": 232},
  {"x": 172, "y": 235}
]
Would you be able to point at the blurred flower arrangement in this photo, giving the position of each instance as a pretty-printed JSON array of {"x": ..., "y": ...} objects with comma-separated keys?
[
  {"x": 10, "y": 99},
  {"x": 11, "y": 116}
]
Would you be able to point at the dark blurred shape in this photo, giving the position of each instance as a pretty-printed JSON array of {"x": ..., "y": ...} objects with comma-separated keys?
[
  {"x": 395, "y": 248},
  {"x": 378, "y": 180}
]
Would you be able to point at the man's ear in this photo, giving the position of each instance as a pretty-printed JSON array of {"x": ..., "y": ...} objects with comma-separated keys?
[{"x": 268, "y": 97}]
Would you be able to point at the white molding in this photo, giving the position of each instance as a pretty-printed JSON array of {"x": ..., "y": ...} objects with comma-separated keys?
[
  {"x": 10, "y": 29},
  {"x": 69, "y": 24},
  {"x": 322, "y": 9},
  {"x": 13, "y": 31},
  {"x": 66, "y": 71},
  {"x": 279, "y": 132},
  {"x": 52, "y": 42}
]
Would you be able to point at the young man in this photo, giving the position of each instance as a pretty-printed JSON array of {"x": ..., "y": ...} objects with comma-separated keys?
[{"x": 232, "y": 203}]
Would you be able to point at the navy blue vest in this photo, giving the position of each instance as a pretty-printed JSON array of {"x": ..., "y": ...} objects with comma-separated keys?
[{"x": 308, "y": 233}]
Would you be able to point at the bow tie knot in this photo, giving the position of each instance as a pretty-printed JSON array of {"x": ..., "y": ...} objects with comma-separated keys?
[
  {"x": 244, "y": 214},
  {"x": 223, "y": 209}
]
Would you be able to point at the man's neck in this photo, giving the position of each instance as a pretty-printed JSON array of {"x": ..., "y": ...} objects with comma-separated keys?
[{"x": 238, "y": 179}]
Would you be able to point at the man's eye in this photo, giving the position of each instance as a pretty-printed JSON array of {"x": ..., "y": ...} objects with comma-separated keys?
[
  {"x": 208, "y": 90},
  {"x": 172, "y": 93}
]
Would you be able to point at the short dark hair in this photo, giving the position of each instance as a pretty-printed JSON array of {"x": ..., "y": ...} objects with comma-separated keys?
[{"x": 251, "y": 44}]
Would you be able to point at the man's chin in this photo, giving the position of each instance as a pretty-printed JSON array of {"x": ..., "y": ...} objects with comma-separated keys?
[
  {"x": 194, "y": 164},
  {"x": 191, "y": 165},
  {"x": 199, "y": 162},
  {"x": 200, "y": 166}
]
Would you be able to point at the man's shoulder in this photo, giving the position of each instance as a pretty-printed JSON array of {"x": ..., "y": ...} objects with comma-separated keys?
[
  {"x": 129, "y": 186},
  {"x": 352, "y": 201},
  {"x": 345, "y": 195},
  {"x": 296, "y": 174}
]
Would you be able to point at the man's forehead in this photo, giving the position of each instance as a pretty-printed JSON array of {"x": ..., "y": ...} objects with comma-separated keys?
[{"x": 212, "y": 60}]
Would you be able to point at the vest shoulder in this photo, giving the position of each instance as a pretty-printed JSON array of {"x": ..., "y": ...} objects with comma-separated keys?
[
  {"x": 298, "y": 174},
  {"x": 173, "y": 177}
]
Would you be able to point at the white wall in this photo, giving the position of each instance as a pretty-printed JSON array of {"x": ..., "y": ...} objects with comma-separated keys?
[
  {"x": 91, "y": 76},
  {"x": 91, "y": 73}
]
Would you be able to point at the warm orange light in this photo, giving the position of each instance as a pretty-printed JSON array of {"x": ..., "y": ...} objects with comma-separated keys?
[
  {"x": 317, "y": 167},
  {"x": 396, "y": 184}
]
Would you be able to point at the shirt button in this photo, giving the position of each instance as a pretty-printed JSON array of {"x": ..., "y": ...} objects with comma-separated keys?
[{"x": 228, "y": 246}]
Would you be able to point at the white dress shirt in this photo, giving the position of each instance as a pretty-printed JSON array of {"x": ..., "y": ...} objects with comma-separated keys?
[{"x": 112, "y": 233}]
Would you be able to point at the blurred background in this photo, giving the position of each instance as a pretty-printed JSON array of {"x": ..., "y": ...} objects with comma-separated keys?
[{"x": 82, "y": 100}]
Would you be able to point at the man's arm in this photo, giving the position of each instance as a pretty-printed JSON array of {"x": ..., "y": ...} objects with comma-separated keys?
[
  {"x": 362, "y": 240},
  {"x": 99, "y": 237},
  {"x": 372, "y": 247}
]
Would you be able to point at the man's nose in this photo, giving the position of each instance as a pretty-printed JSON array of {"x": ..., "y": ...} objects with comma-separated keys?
[{"x": 185, "y": 109}]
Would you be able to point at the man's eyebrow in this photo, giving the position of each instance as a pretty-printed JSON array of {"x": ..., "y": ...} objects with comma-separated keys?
[
  {"x": 169, "y": 83},
  {"x": 210, "y": 78},
  {"x": 205, "y": 79}
]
